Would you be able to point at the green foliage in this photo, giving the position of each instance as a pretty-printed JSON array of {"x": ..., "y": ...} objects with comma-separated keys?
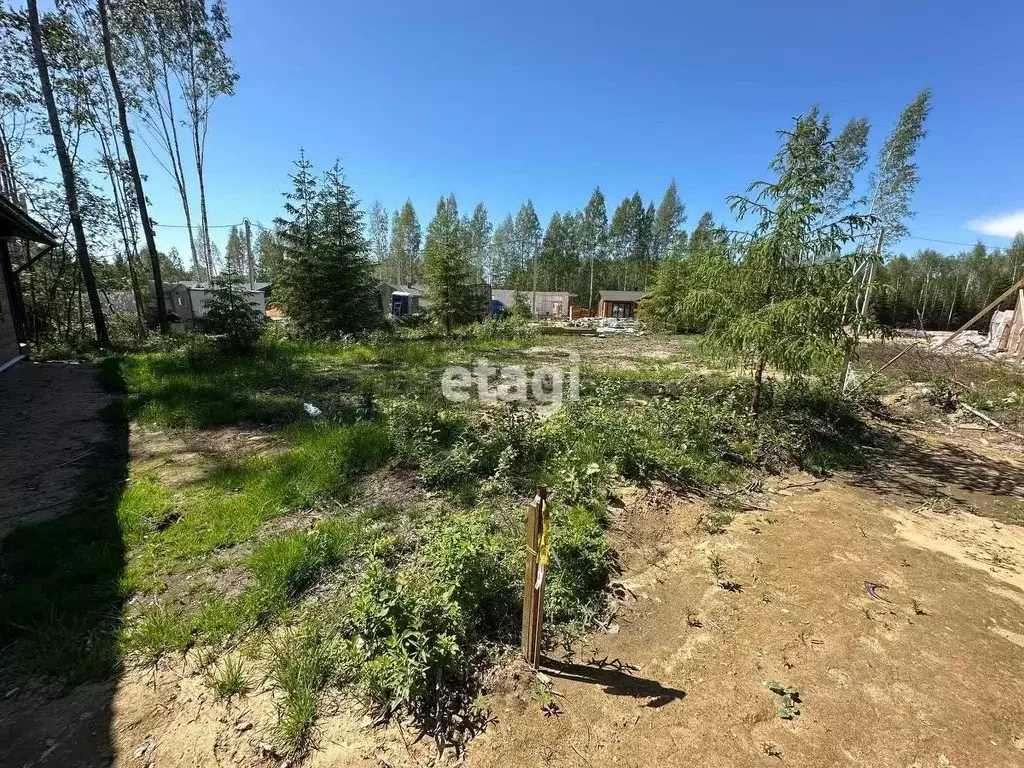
[
  {"x": 412, "y": 629},
  {"x": 789, "y": 699},
  {"x": 301, "y": 663},
  {"x": 196, "y": 385},
  {"x": 63, "y": 587},
  {"x": 326, "y": 284},
  {"x": 718, "y": 571},
  {"x": 512, "y": 328},
  {"x": 229, "y": 679},
  {"x": 781, "y": 302},
  {"x": 447, "y": 267},
  {"x": 581, "y": 563},
  {"x": 451, "y": 468},
  {"x": 406, "y": 235},
  {"x": 284, "y": 567},
  {"x": 715, "y": 521},
  {"x": 407, "y": 637},
  {"x": 895, "y": 178},
  {"x": 160, "y": 630},
  {"x": 229, "y": 314}
]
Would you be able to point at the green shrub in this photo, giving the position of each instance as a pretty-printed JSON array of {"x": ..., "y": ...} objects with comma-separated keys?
[
  {"x": 413, "y": 630},
  {"x": 229, "y": 314},
  {"x": 482, "y": 567},
  {"x": 407, "y": 638},
  {"x": 450, "y": 469}
]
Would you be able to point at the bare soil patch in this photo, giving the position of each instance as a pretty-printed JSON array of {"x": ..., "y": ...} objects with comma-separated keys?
[
  {"x": 183, "y": 457},
  {"x": 930, "y": 672}
]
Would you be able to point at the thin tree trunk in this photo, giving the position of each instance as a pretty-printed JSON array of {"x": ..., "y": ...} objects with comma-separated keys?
[
  {"x": 125, "y": 222},
  {"x": 133, "y": 167},
  {"x": 755, "y": 406},
  {"x": 35, "y": 307},
  {"x": 204, "y": 220},
  {"x": 590, "y": 303},
  {"x": 174, "y": 149},
  {"x": 68, "y": 174}
]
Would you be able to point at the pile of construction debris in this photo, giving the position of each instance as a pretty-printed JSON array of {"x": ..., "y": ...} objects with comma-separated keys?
[{"x": 609, "y": 326}]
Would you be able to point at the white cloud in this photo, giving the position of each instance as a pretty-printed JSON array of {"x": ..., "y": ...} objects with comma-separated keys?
[{"x": 999, "y": 226}]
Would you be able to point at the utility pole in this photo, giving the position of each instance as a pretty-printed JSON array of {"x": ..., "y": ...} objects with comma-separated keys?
[
  {"x": 536, "y": 248},
  {"x": 865, "y": 303},
  {"x": 248, "y": 253}
]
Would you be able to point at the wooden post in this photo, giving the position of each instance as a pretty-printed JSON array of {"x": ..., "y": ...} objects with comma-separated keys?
[
  {"x": 248, "y": 253},
  {"x": 533, "y": 593},
  {"x": 1019, "y": 338},
  {"x": 992, "y": 305}
]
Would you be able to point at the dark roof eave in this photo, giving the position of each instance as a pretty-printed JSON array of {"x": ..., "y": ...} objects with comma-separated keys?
[{"x": 14, "y": 222}]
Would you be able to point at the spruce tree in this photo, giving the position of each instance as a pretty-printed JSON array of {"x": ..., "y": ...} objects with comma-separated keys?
[
  {"x": 234, "y": 253},
  {"x": 326, "y": 285},
  {"x": 447, "y": 266}
]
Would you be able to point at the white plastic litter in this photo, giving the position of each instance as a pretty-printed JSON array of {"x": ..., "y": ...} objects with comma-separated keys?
[{"x": 312, "y": 410}]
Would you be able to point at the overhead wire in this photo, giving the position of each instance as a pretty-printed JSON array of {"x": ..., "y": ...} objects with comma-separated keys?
[{"x": 259, "y": 226}]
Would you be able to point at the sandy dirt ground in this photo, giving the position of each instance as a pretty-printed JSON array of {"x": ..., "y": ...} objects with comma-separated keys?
[
  {"x": 51, "y": 433},
  {"x": 892, "y": 600}
]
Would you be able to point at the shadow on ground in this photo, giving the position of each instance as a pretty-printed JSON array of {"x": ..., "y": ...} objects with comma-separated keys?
[
  {"x": 903, "y": 465},
  {"x": 616, "y": 680},
  {"x": 61, "y": 595}
]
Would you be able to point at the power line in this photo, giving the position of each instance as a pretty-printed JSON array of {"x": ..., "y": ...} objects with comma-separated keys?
[
  {"x": 951, "y": 242},
  {"x": 522, "y": 242}
]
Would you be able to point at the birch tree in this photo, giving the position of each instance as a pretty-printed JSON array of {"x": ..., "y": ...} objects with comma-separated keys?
[{"x": 68, "y": 176}]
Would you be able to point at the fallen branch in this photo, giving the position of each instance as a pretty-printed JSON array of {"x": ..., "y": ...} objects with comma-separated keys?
[
  {"x": 868, "y": 378},
  {"x": 991, "y": 421}
]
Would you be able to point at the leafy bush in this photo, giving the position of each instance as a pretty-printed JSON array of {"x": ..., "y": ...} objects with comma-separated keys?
[
  {"x": 481, "y": 565},
  {"x": 229, "y": 314},
  {"x": 411, "y": 628},
  {"x": 450, "y": 469},
  {"x": 407, "y": 639},
  {"x": 418, "y": 429}
]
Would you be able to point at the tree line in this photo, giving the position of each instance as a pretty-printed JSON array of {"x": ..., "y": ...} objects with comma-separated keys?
[
  {"x": 934, "y": 291},
  {"x": 579, "y": 251}
]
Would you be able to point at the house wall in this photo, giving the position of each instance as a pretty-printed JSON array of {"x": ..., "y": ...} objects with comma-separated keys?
[
  {"x": 626, "y": 309},
  {"x": 9, "y": 348},
  {"x": 554, "y": 304}
]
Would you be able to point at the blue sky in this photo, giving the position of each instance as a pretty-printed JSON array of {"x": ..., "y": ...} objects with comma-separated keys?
[{"x": 500, "y": 102}]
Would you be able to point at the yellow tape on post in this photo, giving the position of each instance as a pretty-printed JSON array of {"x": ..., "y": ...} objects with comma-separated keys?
[{"x": 544, "y": 545}]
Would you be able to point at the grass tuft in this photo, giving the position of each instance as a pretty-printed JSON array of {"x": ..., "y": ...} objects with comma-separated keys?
[{"x": 229, "y": 679}]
